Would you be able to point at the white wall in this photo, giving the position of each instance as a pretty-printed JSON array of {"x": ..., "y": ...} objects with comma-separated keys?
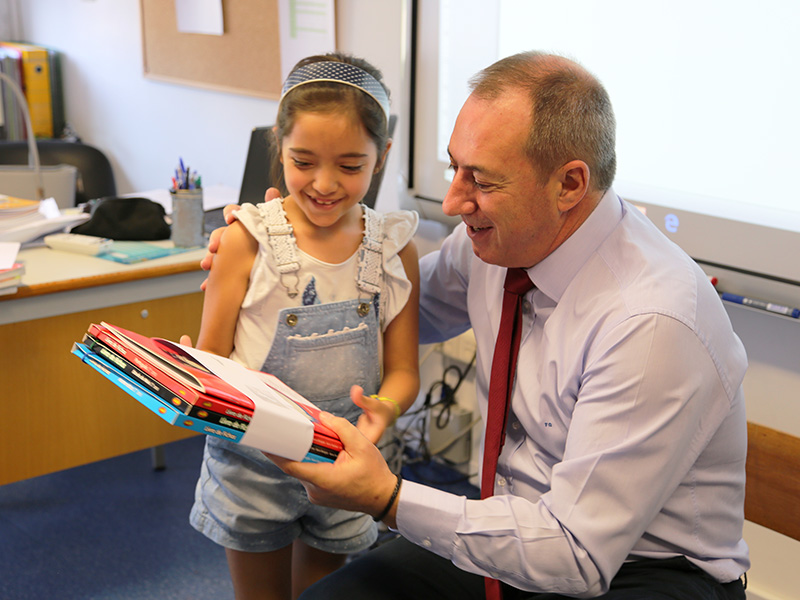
[{"x": 144, "y": 125}]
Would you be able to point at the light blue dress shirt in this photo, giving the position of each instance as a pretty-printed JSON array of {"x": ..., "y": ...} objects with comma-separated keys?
[{"x": 627, "y": 433}]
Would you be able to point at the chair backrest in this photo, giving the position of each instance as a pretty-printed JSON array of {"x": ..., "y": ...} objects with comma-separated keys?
[
  {"x": 258, "y": 166},
  {"x": 95, "y": 175},
  {"x": 772, "y": 494}
]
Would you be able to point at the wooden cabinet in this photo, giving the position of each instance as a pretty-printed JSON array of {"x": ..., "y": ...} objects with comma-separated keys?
[{"x": 58, "y": 413}]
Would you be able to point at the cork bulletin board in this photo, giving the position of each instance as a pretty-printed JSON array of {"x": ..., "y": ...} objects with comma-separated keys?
[{"x": 244, "y": 60}]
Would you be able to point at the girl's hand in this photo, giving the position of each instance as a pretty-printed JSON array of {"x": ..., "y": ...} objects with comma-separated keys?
[{"x": 377, "y": 416}]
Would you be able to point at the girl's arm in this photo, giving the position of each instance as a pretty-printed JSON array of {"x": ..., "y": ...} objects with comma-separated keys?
[
  {"x": 400, "y": 361},
  {"x": 225, "y": 290}
]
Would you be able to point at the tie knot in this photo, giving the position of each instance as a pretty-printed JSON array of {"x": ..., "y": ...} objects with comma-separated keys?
[{"x": 517, "y": 281}]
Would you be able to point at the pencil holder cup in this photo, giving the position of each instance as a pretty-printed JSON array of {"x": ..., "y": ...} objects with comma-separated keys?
[{"x": 187, "y": 218}]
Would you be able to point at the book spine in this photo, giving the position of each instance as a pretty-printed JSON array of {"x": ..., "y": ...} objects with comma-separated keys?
[
  {"x": 145, "y": 366},
  {"x": 125, "y": 384},
  {"x": 216, "y": 418},
  {"x": 223, "y": 408},
  {"x": 166, "y": 394},
  {"x": 320, "y": 454}
]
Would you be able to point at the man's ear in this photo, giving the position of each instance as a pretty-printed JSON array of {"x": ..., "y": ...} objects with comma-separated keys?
[
  {"x": 574, "y": 181},
  {"x": 382, "y": 159}
]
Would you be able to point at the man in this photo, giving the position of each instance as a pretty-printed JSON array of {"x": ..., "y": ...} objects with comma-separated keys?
[{"x": 622, "y": 471}]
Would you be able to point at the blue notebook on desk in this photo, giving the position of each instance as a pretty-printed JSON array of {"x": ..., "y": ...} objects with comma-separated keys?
[{"x": 135, "y": 252}]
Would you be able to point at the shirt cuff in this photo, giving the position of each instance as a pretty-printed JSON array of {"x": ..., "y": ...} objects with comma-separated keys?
[{"x": 429, "y": 517}]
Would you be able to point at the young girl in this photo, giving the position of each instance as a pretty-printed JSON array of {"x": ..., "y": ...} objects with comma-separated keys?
[{"x": 322, "y": 292}]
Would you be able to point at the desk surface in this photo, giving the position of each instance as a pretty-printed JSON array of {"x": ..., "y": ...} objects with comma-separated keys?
[
  {"x": 57, "y": 282},
  {"x": 48, "y": 271}
]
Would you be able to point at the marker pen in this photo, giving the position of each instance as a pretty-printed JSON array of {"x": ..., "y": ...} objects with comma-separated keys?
[{"x": 767, "y": 306}]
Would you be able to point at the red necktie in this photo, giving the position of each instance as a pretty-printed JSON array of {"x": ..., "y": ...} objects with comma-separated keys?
[{"x": 504, "y": 366}]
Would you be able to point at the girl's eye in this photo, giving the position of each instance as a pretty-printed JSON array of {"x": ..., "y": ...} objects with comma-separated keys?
[
  {"x": 300, "y": 163},
  {"x": 353, "y": 168}
]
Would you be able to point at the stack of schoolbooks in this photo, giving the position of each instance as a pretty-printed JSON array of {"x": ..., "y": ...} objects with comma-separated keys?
[
  {"x": 11, "y": 278},
  {"x": 210, "y": 394}
]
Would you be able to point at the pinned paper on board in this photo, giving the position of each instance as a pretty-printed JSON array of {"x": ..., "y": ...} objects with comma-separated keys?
[
  {"x": 199, "y": 16},
  {"x": 306, "y": 28}
]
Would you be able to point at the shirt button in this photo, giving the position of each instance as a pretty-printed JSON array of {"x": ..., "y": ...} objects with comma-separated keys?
[
  {"x": 427, "y": 543},
  {"x": 515, "y": 426},
  {"x": 291, "y": 320},
  {"x": 526, "y": 306},
  {"x": 501, "y": 481}
]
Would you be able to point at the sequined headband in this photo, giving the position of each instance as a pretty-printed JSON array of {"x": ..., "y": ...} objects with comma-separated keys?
[{"x": 338, "y": 72}]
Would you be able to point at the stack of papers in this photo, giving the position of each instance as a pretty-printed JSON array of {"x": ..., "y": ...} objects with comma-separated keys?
[
  {"x": 10, "y": 279},
  {"x": 23, "y": 220},
  {"x": 11, "y": 271}
]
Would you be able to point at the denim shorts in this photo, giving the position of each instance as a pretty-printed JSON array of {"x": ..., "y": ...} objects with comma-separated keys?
[{"x": 244, "y": 502}]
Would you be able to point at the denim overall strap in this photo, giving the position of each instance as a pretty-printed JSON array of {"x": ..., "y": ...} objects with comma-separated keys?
[
  {"x": 370, "y": 254},
  {"x": 369, "y": 277},
  {"x": 281, "y": 240}
]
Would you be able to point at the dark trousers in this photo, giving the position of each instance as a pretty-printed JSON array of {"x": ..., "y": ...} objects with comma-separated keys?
[{"x": 400, "y": 570}]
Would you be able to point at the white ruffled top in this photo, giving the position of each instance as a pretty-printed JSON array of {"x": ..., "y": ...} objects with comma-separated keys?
[{"x": 266, "y": 296}]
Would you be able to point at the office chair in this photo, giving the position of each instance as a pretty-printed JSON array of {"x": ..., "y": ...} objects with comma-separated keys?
[{"x": 95, "y": 175}]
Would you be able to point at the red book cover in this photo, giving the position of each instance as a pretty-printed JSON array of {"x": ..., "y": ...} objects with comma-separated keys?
[
  {"x": 168, "y": 364},
  {"x": 187, "y": 393},
  {"x": 211, "y": 409}
]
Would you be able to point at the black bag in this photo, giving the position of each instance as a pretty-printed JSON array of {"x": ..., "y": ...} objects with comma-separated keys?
[{"x": 136, "y": 219}]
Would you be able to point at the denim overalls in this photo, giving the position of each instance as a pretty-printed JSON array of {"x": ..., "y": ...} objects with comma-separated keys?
[
  {"x": 321, "y": 350},
  {"x": 243, "y": 501}
]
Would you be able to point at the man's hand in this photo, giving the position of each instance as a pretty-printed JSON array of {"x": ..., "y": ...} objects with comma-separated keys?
[
  {"x": 359, "y": 480},
  {"x": 216, "y": 235}
]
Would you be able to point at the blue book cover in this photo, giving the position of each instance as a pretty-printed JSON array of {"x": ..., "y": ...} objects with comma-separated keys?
[{"x": 154, "y": 403}]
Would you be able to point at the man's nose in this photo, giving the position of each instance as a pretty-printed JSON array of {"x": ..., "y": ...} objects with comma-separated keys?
[{"x": 459, "y": 199}]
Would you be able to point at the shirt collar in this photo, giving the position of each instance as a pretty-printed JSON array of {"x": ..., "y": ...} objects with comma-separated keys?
[{"x": 552, "y": 275}]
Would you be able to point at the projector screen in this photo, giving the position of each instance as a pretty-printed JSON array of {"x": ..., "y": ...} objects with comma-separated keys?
[{"x": 706, "y": 100}]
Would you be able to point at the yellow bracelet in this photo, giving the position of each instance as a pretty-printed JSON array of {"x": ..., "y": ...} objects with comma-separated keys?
[{"x": 394, "y": 402}]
